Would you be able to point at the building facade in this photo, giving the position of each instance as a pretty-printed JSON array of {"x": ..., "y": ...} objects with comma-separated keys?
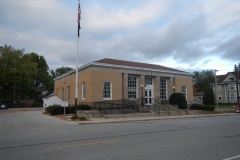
[
  {"x": 226, "y": 89},
  {"x": 110, "y": 79}
]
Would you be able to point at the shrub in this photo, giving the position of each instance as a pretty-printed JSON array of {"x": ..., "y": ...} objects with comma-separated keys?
[
  {"x": 74, "y": 117},
  {"x": 79, "y": 107},
  {"x": 55, "y": 110},
  {"x": 82, "y": 118},
  {"x": 83, "y": 107},
  {"x": 202, "y": 107},
  {"x": 178, "y": 99}
]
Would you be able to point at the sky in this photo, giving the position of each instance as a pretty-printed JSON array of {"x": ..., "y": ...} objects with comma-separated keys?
[{"x": 189, "y": 35}]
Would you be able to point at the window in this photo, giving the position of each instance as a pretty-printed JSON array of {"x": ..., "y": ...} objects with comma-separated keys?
[
  {"x": 184, "y": 91},
  {"x": 68, "y": 93},
  {"x": 219, "y": 96},
  {"x": 231, "y": 96},
  {"x": 163, "y": 89},
  {"x": 231, "y": 86},
  {"x": 62, "y": 93},
  {"x": 107, "y": 87},
  {"x": 218, "y": 87},
  {"x": 148, "y": 81},
  {"x": 83, "y": 90},
  {"x": 132, "y": 87}
]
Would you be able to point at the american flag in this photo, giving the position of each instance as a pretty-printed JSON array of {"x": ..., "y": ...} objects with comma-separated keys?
[{"x": 79, "y": 17}]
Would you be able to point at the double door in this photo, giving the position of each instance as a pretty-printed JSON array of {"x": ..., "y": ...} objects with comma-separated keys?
[{"x": 149, "y": 96}]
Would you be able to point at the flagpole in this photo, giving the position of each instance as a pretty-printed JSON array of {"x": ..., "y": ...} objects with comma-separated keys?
[
  {"x": 76, "y": 89},
  {"x": 77, "y": 56}
]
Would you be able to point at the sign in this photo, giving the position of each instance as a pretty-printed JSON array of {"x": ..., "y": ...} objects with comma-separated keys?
[
  {"x": 64, "y": 104},
  {"x": 3, "y": 106}
]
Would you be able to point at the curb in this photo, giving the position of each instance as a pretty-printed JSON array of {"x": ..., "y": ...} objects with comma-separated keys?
[{"x": 120, "y": 120}]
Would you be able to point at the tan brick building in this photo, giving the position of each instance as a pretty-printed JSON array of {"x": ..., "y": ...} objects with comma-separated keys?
[{"x": 110, "y": 79}]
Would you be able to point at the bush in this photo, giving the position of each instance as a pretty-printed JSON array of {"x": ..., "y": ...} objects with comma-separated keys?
[
  {"x": 178, "y": 99},
  {"x": 74, "y": 117},
  {"x": 83, "y": 107},
  {"x": 55, "y": 110},
  {"x": 82, "y": 118},
  {"x": 80, "y": 107},
  {"x": 202, "y": 107}
]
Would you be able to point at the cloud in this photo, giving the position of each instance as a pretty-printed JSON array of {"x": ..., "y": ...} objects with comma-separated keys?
[
  {"x": 101, "y": 19},
  {"x": 221, "y": 13},
  {"x": 172, "y": 32},
  {"x": 230, "y": 49}
]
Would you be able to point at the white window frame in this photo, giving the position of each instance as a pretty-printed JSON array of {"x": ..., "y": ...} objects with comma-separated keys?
[
  {"x": 62, "y": 93},
  {"x": 148, "y": 81},
  {"x": 232, "y": 86},
  {"x": 231, "y": 96},
  {"x": 163, "y": 89},
  {"x": 107, "y": 87},
  {"x": 68, "y": 93},
  {"x": 132, "y": 87},
  {"x": 83, "y": 91},
  {"x": 184, "y": 91}
]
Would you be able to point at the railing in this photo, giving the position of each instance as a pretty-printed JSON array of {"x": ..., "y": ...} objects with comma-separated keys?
[
  {"x": 126, "y": 106},
  {"x": 164, "y": 106},
  {"x": 123, "y": 106}
]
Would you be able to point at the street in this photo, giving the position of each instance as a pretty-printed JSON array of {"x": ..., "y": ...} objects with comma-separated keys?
[{"x": 31, "y": 135}]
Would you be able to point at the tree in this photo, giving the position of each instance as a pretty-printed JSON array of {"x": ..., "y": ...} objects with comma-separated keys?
[
  {"x": 178, "y": 99},
  {"x": 203, "y": 80},
  {"x": 42, "y": 79},
  {"x": 60, "y": 71},
  {"x": 16, "y": 72},
  {"x": 22, "y": 75},
  {"x": 208, "y": 96}
]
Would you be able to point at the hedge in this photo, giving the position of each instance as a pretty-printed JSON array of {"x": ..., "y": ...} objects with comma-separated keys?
[
  {"x": 202, "y": 107},
  {"x": 57, "y": 109}
]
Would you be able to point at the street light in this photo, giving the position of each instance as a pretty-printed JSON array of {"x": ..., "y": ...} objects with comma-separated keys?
[{"x": 173, "y": 87}]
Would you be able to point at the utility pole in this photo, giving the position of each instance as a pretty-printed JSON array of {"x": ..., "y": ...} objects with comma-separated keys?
[
  {"x": 236, "y": 74},
  {"x": 215, "y": 71}
]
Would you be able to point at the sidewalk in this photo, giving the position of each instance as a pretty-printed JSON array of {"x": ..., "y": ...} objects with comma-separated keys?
[{"x": 130, "y": 119}]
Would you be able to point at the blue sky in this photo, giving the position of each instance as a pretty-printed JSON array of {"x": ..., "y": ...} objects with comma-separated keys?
[{"x": 182, "y": 34}]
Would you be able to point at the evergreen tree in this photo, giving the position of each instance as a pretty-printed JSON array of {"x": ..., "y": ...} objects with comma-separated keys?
[{"x": 208, "y": 96}]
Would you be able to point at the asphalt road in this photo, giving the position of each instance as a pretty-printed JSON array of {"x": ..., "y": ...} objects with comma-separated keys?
[{"x": 30, "y": 135}]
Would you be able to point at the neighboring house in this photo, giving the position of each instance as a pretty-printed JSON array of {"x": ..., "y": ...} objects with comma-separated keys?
[
  {"x": 226, "y": 88},
  {"x": 51, "y": 100},
  {"x": 198, "y": 97},
  {"x": 110, "y": 79}
]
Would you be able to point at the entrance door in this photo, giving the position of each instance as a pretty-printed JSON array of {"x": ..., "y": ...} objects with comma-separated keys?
[{"x": 148, "y": 97}]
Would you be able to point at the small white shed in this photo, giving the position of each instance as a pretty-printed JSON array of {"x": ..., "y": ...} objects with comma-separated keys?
[{"x": 51, "y": 100}]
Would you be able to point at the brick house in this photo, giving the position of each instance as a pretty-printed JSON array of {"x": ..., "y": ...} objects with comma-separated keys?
[{"x": 111, "y": 79}]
